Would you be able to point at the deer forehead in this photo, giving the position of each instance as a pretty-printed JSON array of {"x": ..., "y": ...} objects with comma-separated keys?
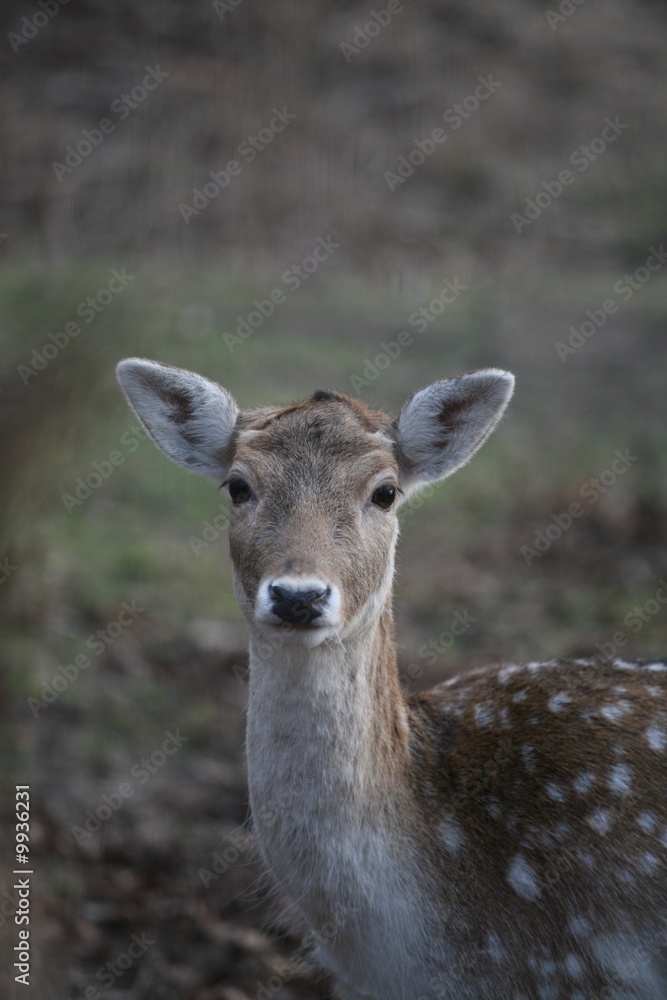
[{"x": 326, "y": 439}]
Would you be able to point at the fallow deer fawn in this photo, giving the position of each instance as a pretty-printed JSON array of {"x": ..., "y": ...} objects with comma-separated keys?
[{"x": 500, "y": 837}]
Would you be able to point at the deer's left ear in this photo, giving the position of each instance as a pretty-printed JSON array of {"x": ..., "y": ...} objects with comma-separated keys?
[{"x": 442, "y": 426}]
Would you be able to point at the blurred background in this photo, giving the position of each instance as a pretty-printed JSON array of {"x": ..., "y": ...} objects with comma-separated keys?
[{"x": 283, "y": 197}]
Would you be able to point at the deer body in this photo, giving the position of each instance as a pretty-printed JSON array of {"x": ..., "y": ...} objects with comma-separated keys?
[{"x": 502, "y": 836}]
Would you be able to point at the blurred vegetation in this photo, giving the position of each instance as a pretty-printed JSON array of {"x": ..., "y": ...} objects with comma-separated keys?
[{"x": 71, "y": 562}]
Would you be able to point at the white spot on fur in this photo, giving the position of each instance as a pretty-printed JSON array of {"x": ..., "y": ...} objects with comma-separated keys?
[
  {"x": 653, "y": 691},
  {"x": 579, "y": 926},
  {"x": 507, "y": 672},
  {"x": 587, "y": 860},
  {"x": 600, "y": 821},
  {"x": 520, "y": 696},
  {"x": 547, "y": 991},
  {"x": 494, "y": 949},
  {"x": 483, "y": 715},
  {"x": 584, "y": 783},
  {"x": 657, "y": 668},
  {"x": 558, "y": 701},
  {"x": 554, "y": 791},
  {"x": 647, "y": 821},
  {"x": 529, "y": 758},
  {"x": 574, "y": 966},
  {"x": 656, "y": 738},
  {"x": 637, "y": 977},
  {"x": 620, "y": 779},
  {"x": 451, "y": 835},
  {"x": 614, "y": 713},
  {"x": 648, "y": 863},
  {"x": 521, "y": 877}
]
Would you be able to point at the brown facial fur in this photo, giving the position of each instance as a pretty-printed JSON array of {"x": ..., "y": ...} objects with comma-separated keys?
[{"x": 311, "y": 467}]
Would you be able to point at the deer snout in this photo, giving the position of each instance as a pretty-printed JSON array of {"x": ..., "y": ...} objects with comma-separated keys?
[
  {"x": 298, "y": 601},
  {"x": 298, "y": 606}
]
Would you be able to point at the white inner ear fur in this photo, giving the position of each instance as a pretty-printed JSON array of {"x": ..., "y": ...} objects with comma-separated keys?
[
  {"x": 189, "y": 417},
  {"x": 442, "y": 426}
]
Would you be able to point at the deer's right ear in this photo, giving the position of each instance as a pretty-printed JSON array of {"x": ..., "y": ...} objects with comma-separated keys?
[{"x": 190, "y": 418}]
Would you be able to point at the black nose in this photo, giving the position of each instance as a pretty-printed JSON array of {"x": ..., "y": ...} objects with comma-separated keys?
[{"x": 300, "y": 607}]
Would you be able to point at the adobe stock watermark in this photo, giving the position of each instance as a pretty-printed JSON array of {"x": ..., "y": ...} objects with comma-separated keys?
[
  {"x": 363, "y": 34},
  {"x": 140, "y": 773},
  {"x": 88, "y": 310},
  {"x": 241, "y": 842},
  {"x": 108, "y": 973},
  {"x": 591, "y": 491},
  {"x": 236, "y": 845},
  {"x": 454, "y": 117},
  {"x": 635, "y": 620},
  {"x": 211, "y": 530},
  {"x": 264, "y": 647},
  {"x": 222, "y": 7},
  {"x": 246, "y": 152},
  {"x": 433, "y": 649},
  {"x": 101, "y": 471},
  {"x": 284, "y": 971},
  {"x": 624, "y": 288},
  {"x": 419, "y": 320},
  {"x": 565, "y": 10},
  {"x": 31, "y": 26},
  {"x": 96, "y": 642},
  {"x": 581, "y": 158},
  {"x": 7, "y": 569},
  {"x": 120, "y": 108},
  {"x": 291, "y": 279},
  {"x": 287, "y": 969}
]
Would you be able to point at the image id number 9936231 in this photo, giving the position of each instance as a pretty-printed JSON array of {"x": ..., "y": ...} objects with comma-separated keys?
[{"x": 22, "y": 885}]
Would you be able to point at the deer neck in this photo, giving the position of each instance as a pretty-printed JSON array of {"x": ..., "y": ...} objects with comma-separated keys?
[
  {"x": 327, "y": 755},
  {"x": 326, "y": 745},
  {"x": 318, "y": 709}
]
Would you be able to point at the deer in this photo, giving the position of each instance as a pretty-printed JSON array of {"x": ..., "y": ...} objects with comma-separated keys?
[{"x": 502, "y": 836}]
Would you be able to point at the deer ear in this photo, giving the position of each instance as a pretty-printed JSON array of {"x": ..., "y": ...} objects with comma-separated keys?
[
  {"x": 442, "y": 426},
  {"x": 190, "y": 418}
]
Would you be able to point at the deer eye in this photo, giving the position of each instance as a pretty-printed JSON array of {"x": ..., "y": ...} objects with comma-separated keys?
[
  {"x": 384, "y": 496},
  {"x": 239, "y": 490}
]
